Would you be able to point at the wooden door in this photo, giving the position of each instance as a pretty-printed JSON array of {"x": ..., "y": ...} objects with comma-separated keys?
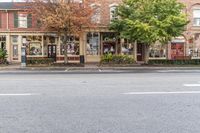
[
  {"x": 140, "y": 52},
  {"x": 52, "y": 51}
]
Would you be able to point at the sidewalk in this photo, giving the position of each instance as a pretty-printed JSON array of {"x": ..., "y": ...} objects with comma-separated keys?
[{"x": 93, "y": 67}]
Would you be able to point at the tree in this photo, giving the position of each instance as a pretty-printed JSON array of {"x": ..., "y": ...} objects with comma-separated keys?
[
  {"x": 66, "y": 17},
  {"x": 149, "y": 21}
]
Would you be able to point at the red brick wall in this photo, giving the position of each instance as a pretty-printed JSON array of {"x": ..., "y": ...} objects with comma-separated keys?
[
  {"x": 11, "y": 23},
  {"x": 3, "y": 21}
]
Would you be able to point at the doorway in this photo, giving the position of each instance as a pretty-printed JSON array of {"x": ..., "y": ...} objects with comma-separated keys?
[
  {"x": 52, "y": 51},
  {"x": 177, "y": 50},
  {"x": 140, "y": 52}
]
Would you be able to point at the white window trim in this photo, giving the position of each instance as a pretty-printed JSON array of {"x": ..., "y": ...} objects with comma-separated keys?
[
  {"x": 97, "y": 20},
  {"x": 193, "y": 18}
]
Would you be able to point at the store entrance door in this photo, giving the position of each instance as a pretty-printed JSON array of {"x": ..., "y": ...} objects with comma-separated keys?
[
  {"x": 177, "y": 50},
  {"x": 52, "y": 51},
  {"x": 140, "y": 52}
]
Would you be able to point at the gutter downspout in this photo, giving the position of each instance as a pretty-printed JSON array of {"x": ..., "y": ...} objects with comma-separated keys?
[{"x": 7, "y": 27}]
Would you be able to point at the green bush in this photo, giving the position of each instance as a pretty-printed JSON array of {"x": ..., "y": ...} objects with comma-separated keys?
[
  {"x": 3, "y": 56},
  {"x": 175, "y": 62},
  {"x": 40, "y": 61},
  {"x": 116, "y": 59}
]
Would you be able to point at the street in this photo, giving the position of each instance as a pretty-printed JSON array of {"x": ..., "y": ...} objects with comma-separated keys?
[{"x": 136, "y": 102}]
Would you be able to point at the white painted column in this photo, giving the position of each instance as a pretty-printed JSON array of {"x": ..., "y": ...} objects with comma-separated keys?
[
  {"x": 82, "y": 44},
  {"x": 58, "y": 45},
  {"x": 42, "y": 45},
  {"x": 8, "y": 47},
  {"x": 19, "y": 47}
]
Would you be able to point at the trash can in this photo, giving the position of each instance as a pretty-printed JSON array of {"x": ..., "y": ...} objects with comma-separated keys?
[{"x": 82, "y": 59}]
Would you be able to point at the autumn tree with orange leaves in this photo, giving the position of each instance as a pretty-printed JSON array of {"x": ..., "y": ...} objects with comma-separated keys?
[{"x": 66, "y": 17}]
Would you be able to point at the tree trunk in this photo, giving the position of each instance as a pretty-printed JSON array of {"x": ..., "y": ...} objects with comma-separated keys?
[
  {"x": 65, "y": 42},
  {"x": 65, "y": 57},
  {"x": 146, "y": 58}
]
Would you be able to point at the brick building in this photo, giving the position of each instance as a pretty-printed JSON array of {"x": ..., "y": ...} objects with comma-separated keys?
[{"x": 18, "y": 28}]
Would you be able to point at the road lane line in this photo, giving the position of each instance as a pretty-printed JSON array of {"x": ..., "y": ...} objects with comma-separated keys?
[
  {"x": 22, "y": 94},
  {"x": 191, "y": 85},
  {"x": 163, "y": 93}
]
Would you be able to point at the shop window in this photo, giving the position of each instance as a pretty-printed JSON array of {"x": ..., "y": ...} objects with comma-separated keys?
[
  {"x": 177, "y": 50},
  {"x": 15, "y": 51},
  {"x": 72, "y": 46},
  {"x": 196, "y": 17},
  {"x": 3, "y": 42},
  {"x": 157, "y": 51},
  {"x": 93, "y": 43},
  {"x": 127, "y": 48},
  {"x": 109, "y": 43},
  {"x": 194, "y": 46},
  {"x": 34, "y": 45}
]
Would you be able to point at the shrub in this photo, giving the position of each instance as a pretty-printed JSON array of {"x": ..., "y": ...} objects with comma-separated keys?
[
  {"x": 116, "y": 59},
  {"x": 3, "y": 56},
  {"x": 40, "y": 61},
  {"x": 175, "y": 62}
]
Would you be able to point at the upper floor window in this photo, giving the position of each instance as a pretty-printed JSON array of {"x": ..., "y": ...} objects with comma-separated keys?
[
  {"x": 22, "y": 20},
  {"x": 96, "y": 18},
  {"x": 196, "y": 17},
  {"x": 113, "y": 12}
]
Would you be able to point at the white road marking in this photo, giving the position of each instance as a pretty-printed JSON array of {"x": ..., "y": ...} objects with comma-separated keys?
[
  {"x": 192, "y": 85},
  {"x": 164, "y": 71},
  {"x": 22, "y": 94},
  {"x": 164, "y": 93}
]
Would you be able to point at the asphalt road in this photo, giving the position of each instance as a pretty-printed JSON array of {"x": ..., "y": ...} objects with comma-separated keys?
[{"x": 159, "y": 102}]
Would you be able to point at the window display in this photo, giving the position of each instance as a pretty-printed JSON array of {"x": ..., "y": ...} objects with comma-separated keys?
[
  {"x": 72, "y": 45},
  {"x": 127, "y": 48},
  {"x": 34, "y": 45},
  {"x": 93, "y": 43},
  {"x": 157, "y": 51},
  {"x": 194, "y": 46},
  {"x": 3, "y": 42},
  {"x": 177, "y": 50},
  {"x": 109, "y": 42}
]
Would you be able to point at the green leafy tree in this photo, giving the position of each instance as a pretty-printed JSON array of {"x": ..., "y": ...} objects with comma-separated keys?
[
  {"x": 149, "y": 21},
  {"x": 3, "y": 56}
]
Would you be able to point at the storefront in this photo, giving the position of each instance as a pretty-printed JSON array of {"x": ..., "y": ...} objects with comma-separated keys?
[
  {"x": 178, "y": 48},
  {"x": 158, "y": 51},
  {"x": 194, "y": 46},
  {"x": 100, "y": 43}
]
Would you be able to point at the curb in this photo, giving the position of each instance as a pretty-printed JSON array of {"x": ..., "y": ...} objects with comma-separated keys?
[{"x": 93, "y": 68}]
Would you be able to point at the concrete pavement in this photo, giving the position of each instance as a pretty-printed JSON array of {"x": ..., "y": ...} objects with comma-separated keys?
[
  {"x": 93, "y": 68},
  {"x": 100, "y": 103}
]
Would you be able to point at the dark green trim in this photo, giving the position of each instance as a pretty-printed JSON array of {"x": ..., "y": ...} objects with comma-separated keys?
[
  {"x": 15, "y": 19},
  {"x": 29, "y": 21}
]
